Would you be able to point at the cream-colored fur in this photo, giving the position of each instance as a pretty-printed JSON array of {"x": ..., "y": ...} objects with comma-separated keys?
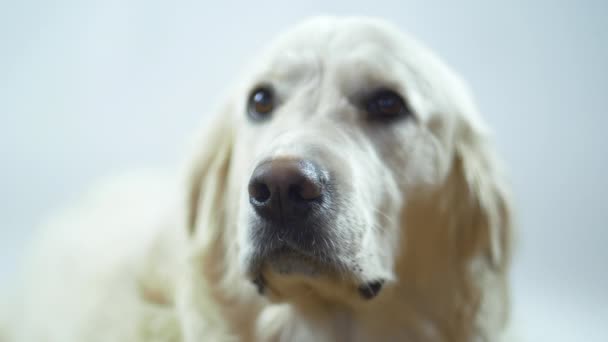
[{"x": 144, "y": 259}]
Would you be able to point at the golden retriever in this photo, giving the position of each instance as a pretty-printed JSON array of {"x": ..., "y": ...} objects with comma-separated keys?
[{"x": 346, "y": 191}]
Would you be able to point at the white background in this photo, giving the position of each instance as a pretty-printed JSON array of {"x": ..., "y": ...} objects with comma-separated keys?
[{"x": 89, "y": 89}]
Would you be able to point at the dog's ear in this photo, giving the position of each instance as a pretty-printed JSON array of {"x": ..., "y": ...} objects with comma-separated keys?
[
  {"x": 486, "y": 203},
  {"x": 206, "y": 176},
  {"x": 207, "y": 173}
]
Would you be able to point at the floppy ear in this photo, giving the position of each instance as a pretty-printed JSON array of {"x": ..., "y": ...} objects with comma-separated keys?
[
  {"x": 487, "y": 200},
  {"x": 199, "y": 295},
  {"x": 207, "y": 176}
]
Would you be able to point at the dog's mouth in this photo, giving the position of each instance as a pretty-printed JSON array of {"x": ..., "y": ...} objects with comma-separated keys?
[
  {"x": 284, "y": 261},
  {"x": 292, "y": 263},
  {"x": 285, "y": 258}
]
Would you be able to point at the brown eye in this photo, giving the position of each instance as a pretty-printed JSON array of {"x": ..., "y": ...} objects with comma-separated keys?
[
  {"x": 386, "y": 104},
  {"x": 261, "y": 103}
]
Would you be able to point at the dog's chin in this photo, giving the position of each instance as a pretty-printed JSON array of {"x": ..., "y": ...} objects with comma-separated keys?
[
  {"x": 288, "y": 274},
  {"x": 290, "y": 262},
  {"x": 273, "y": 271}
]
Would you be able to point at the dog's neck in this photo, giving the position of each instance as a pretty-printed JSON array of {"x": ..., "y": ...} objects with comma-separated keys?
[
  {"x": 388, "y": 319},
  {"x": 448, "y": 311}
]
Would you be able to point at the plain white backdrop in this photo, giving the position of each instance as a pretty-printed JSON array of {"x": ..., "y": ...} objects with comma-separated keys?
[{"x": 91, "y": 89}]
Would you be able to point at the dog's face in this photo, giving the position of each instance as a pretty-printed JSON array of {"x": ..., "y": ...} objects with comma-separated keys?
[
  {"x": 340, "y": 126},
  {"x": 334, "y": 133}
]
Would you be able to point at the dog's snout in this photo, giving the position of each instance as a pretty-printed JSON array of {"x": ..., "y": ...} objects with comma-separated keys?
[{"x": 285, "y": 189}]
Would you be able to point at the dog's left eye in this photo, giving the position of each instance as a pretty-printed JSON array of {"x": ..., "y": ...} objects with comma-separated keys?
[
  {"x": 261, "y": 103},
  {"x": 386, "y": 104}
]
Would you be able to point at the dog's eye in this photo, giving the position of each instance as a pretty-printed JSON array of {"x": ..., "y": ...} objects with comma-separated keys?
[
  {"x": 261, "y": 103},
  {"x": 386, "y": 104}
]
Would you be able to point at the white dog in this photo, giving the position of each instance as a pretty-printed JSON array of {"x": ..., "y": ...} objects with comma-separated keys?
[{"x": 347, "y": 191}]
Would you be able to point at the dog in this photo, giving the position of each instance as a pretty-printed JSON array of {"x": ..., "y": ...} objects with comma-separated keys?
[{"x": 347, "y": 190}]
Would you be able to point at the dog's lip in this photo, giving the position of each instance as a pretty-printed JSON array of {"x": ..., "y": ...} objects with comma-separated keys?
[
  {"x": 300, "y": 263},
  {"x": 288, "y": 249},
  {"x": 302, "y": 259},
  {"x": 371, "y": 289},
  {"x": 283, "y": 243}
]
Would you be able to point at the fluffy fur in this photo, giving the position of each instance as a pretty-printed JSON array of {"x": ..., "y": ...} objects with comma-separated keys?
[{"x": 423, "y": 206}]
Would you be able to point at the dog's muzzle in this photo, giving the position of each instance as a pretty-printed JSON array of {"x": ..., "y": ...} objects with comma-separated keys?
[
  {"x": 293, "y": 214},
  {"x": 293, "y": 228}
]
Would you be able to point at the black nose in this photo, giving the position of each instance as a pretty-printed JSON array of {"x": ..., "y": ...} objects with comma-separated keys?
[{"x": 283, "y": 190}]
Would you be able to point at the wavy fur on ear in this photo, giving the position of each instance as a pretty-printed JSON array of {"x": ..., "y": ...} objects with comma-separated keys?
[
  {"x": 208, "y": 173},
  {"x": 205, "y": 222},
  {"x": 456, "y": 251},
  {"x": 482, "y": 229},
  {"x": 213, "y": 296},
  {"x": 488, "y": 197}
]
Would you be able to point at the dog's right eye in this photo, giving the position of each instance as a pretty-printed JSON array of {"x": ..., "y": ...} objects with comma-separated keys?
[
  {"x": 261, "y": 103},
  {"x": 386, "y": 105}
]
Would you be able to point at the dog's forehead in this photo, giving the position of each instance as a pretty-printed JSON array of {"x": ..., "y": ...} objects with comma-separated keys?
[
  {"x": 363, "y": 47},
  {"x": 335, "y": 40},
  {"x": 354, "y": 54}
]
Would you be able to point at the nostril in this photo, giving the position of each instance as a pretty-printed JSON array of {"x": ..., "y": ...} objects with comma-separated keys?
[
  {"x": 294, "y": 193},
  {"x": 259, "y": 192}
]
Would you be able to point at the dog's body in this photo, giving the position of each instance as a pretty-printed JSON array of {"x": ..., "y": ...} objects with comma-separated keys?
[{"x": 398, "y": 228}]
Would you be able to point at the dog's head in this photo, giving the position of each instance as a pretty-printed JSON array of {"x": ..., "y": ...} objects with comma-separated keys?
[{"x": 316, "y": 166}]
